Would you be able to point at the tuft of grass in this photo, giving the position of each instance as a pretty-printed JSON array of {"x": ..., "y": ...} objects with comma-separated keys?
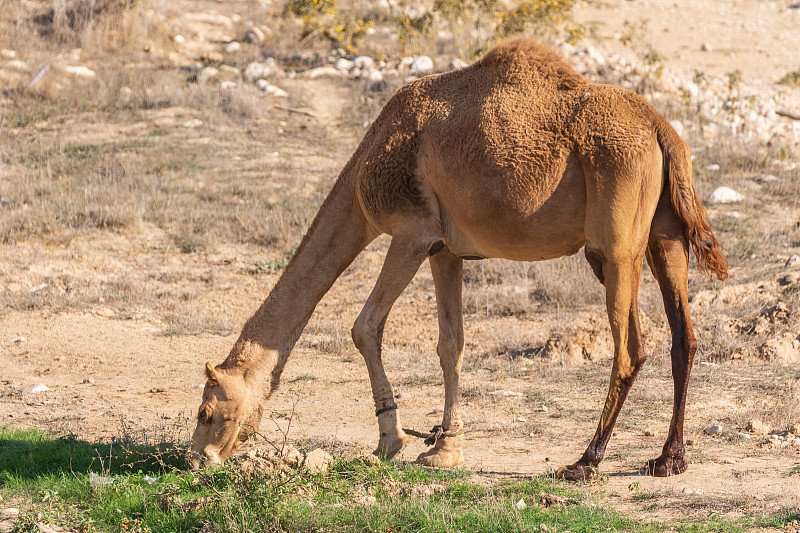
[{"x": 791, "y": 78}]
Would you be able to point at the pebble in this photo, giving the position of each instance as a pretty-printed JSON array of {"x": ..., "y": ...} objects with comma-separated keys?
[
  {"x": 436, "y": 411},
  {"x": 691, "y": 490},
  {"x": 89, "y": 380},
  {"x": 405, "y": 62},
  {"x": 257, "y": 71},
  {"x": 227, "y": 85},
  {"x": 180, "y": 39},
  {"x": 520, "y": 504},
  {"x": 713, "y": 429},
  {"x": 80, "y": 70},
  {"x": 271, "y": 89},
  {"x": 322, "y": 72},
  {"x": 232, "y": 47},
  {"x": 193, "y": 123},
  {"x": 16, "y": 339},
  {"x": 125, "y": 92},
  {"x": 10, "y": 511},
  {"x": 206, "y": 75},
  {"x": 7, "y": 54},
  {"x": 344, "y": 65},
  {"x": 729, "y": 461},
  {"x": 649, "y": 433},
  {"x": 713, "y": 167},
  {"x": 33, "y": 389},
  {"x": 254, "y": 35},
  {"x": 521, "y": 419},
  {"x": 743, "y": 435},
  {"x": 402, "y": 396},
  {"x": 706, "y": 47},
  {"x": 690, "y": 442},
  {"x": 199, "y": 386},
  {"x": 456, "y": 64},
  {"x": 725, "y": 195},
  {"x": 421, "y": 65},
  {"x": 793, "y": 261},
  {"x": 363, "y": 62},
  {"x": 317, "y": 461}
]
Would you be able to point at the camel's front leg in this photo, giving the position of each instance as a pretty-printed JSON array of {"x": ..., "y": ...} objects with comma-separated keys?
[
  {"x": 621, "y": 279},
  {"x": 447, "y": 275},
  {"x": 406, "y": 254}
]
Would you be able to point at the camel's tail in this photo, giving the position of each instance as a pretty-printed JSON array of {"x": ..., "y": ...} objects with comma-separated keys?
[{"x": 687, "y": 204}]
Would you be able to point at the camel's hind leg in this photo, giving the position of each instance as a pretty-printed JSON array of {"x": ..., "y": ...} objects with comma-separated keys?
[
  {"x": 406, "y": 253},
  {"x": 447, "y": 275},
  {"x": 668, "y": 256}
]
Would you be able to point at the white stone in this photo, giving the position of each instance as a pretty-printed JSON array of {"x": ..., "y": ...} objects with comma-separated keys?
[
  {"x": 7, "y": 54},
  {"x": 456, "y": 64},
  {"x": 343, "y": 64},
  {"x": 193, "y": 123},
  {"x": 232, "y": 47},
  {"x": 226, "y": 85},
  {"x": 10, "y": 511},
  {"x": 88, "y": 380},
  {"x": 725, "y": 195},
  {"x": 16, "y": 339},
  {"x": 268, "y": 88},
  {"x": 520, "y": 504},
  {"x": 713, "y": 429},
  {"x": 80, "y": 70},
  {"x": 258, "y": 71},
  {"x": 733, "y": 214},
  {"x": 363, "y": 62},
  {"x": 372, "y": 75},
  {"x": 403, "y": 396},
  {"x": 206, "y": 75},
  {"x": 405, "y": 62},
  {"x": 33, "y": 389},
  {"x": 125, "y": 92},
  {"x": 691, "y": 490},
  {"x": 507, "y": 393},
  {"x": 254, "y": 35},
  {"x": 713, "y": 167},
  {"x": 323, "y": 72},
  {"x": 421, "y": 65},
  {"x": 706, "y": 47},
  {"x": 16, "y": 64}
]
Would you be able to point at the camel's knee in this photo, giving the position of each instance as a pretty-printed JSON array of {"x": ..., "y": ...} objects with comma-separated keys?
[
  {"x": 450, "y": 347},
  {"x": 365, "y": 332}
]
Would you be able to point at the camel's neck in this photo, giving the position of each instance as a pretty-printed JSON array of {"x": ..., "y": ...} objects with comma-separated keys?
[{"x": 336, "y": 236}]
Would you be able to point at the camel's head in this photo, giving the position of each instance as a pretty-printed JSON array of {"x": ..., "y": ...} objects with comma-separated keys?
[{"x": 230, "y": 413}]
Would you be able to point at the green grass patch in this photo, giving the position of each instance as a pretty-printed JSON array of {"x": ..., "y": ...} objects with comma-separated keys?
[{"x": 148, "y": 488}]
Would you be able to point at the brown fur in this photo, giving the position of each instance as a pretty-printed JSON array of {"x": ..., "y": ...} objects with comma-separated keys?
[{"x": 515, "y": 156}]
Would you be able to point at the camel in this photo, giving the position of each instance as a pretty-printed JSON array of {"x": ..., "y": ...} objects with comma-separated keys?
[{"x": 518, "y": 157}]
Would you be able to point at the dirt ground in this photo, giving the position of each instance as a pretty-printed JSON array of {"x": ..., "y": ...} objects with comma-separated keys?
[{"x": 126, "y": 321}]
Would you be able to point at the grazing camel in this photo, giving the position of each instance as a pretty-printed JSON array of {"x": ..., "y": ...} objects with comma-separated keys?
[{"x": 516, "y": 156}]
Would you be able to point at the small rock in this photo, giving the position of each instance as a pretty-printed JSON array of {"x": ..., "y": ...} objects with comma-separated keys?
[
  {"x": 745, "y": 436},
  {"x": 125, "y": 92},
  {"x": 436, "y": 411},
  {"x": 713, "y": 429},
  {"x": 89, "y": 380},
  {"x": 725, "y": 195},
  {"x": 733, "y": 214},
  {"x": 372, "y": 75},
  {"x": 690, "y": 442},
  {"x": 706, "y": 47},
  {"x": 405, "y": 62},
  {"x": 363, "y": 62},
  {"x": 38, "y": 288},
  {"x": 156, "y": 390},
  {"x": 323, "y": 72},
  {"x": 199, "y": 386},
  {"x": 521, "y": 419},
  {"x": 691, "y": 490},
  {"x": 206, "y": 75},
  {"x": 33, "y": 389},
  {"x": 227, "y": 85},
  {"x": 706, "y": 363},
  {"x": 292, "y": 456},
  {"x": 271, "y": 89},
  {"x": 80, "y": 70},
  {"x": 757, "y": 427},
  {"x": 728, "y": 461},
  {"x": 456, "y": 64},
  {"x": 520, "y": 504},
  {"x": 317, "y": 460},
  {"x": 649, "y": 433},
  {"x": 193, "y": 123},
  {"x": 344, "y": 65},
  {"x": 775, "y": 436},
  {"x": 16, "y": 339},
  {"x": 403, "y": 396},
  {"x": 713, "y": 167},
  {"x": 421, "y": 65},
  {"x": 254, "y": 35},
  {"x": 370, "y": 458},
  {"x": 267, "y": 69},
  {"x": 231, "y": 47},
  {"x": 793, "y": 261},
  {"x": 45, "y": 528},
  {"x": 10, "y": 511},
  {"x": 7, "y": 54},
  {"x": 180, "y": 39}
]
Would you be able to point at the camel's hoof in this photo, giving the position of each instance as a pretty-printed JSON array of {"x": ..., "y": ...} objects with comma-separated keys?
[
  {"x": 388, "y": 448},
  {"x": 666, "y": 466},
  {"x": 439, "y": 458},
  {"x": 577, "y": 472}
]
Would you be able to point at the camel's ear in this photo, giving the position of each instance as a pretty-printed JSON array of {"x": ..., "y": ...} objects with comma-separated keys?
[{"x": 211, "y": 373}]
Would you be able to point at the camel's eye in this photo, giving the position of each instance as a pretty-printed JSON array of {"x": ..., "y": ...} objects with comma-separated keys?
[{"x": 204, "y": 415}]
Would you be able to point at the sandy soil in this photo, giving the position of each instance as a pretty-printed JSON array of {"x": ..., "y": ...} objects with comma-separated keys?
[{"x": 121, "y": 366}]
